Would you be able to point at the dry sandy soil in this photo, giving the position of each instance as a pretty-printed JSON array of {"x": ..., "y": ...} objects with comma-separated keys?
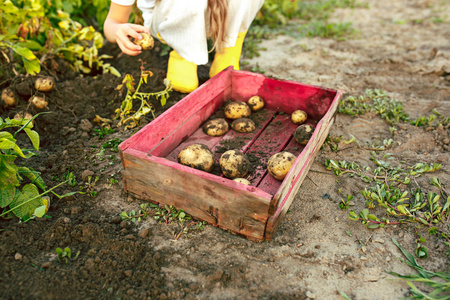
[{"x": 317, "y": 252}]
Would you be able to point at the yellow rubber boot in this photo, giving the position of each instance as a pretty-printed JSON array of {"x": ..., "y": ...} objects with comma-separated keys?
[
  {"x": 228, "y": 57},
  {"x": 182, "y": 73}
]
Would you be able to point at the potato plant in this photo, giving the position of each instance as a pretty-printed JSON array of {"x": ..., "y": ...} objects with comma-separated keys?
[
  {"x": 35, "y": 31},
  {"x": 129, "y": 116},
  {"x": 24, "y": 199}
]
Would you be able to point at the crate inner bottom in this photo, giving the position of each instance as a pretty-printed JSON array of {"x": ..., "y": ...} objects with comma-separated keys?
[{"x": 273, "y": 134}]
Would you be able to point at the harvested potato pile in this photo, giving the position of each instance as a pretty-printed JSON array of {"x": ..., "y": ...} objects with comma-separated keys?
[
  {"x": 303, "y": 133},
  {"x": 234, "y": 163},
  {"x": 216, "y": 127},
  {"x": 197, "y": 156},
  {"x": 279, "y": 164}
]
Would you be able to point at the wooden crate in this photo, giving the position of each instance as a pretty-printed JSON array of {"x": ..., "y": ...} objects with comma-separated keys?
[{"x": 151, "y": 172}]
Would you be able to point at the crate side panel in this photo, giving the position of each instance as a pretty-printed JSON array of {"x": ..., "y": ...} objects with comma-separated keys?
[
  {"x": 237, "y": 210},
  {"x": 281, "y": 95},
  {"x": 151, "y": 135},
  {"x": 286, "y": 193}
]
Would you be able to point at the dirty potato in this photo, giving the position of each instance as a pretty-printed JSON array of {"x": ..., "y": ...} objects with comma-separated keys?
[
  {"x": 44, "y": 84},
  {"x": 22, "y": 115},
  {"x": 38, "y": 102},
  {"x": 216, "y": 127},
  {"x": 197, "y": 156},
  {"x": 299, "y": 117},
  {"x": 255, "y": 103},
  {"x": 9, "y": 98},
  {"x": 243, "y": 125},
  {"x": 280, "y": 163},
  {"x": 234, "y": 163},
  {"x": 147, "y": 42},
  {"x": 303, "y": 133},
  {"x": 236, "y": 110}
]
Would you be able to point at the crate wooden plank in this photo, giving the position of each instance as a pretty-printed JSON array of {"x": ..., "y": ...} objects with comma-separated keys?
[
  {"x": 151, "y": 135},
  {"x": 272, "y": 140},
  {"x": 219, "y": 201},
  {"x": 282, "y": 95},
  {"x": 286, "y": 193}
]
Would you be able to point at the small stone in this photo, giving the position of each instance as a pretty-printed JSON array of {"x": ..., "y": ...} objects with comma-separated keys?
[
  {"x": 143, "y": 233},
  {"x": 116, "y": 220},
  {"x": 216, "y": 276},
  {"x": 310, "y": 295},
  {"x": 378, "y": 240},
  {"x": 128, "y": 273},
  {"x": 363, "y": 258},
  {"x": 18, "y": 256},
  {"x": 66, "y": 220},
  {"x": 86, "y": 125},
  {"x": 388, "y": 258},
  {"x": 401, "y": 234},
  {"x": 446, "y": 141},
  {"x": 130, "y": 237},
  {"x": 124, "y": 224},
  {"x": 76, "y": 210},
  {"x": 46, "y": 265},
  {"x": 85, "y": 175}
]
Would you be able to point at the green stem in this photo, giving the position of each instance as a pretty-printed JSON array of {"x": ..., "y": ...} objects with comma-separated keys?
[{"x": 29, "y": 200}]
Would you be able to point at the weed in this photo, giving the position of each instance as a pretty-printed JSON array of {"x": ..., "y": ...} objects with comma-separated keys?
[
  {"x": 345, "y": 202},
  {"x": 89, "y": 187},
  {"x": 440, "y": 288},
  {"x": 103, "y": 131},
  {"x": 66, "y": 254},
  {"x": 112, "y": 144},
  {"x": 166, "y": 215}
]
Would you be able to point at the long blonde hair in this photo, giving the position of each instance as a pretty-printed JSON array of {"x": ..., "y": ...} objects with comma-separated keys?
[{"x": 217, "y": 11}]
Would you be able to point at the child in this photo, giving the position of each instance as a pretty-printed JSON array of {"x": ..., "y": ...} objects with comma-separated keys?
[{"x": 185, "y": 25}]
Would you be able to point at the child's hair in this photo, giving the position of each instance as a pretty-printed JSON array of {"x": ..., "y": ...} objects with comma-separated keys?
[{"x": 217, "y": 17}]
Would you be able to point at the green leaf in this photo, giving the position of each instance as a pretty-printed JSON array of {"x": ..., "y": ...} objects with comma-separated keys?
[
  {"x": 34, "y": 137},
  {"x": 24, "y": 52},
  {"x": 26, "y": 201},
  {"x": 30, "y": 44},
  {"x": 8, "y": 172},
  {"x": 7, "y": 195},
  {"x": 34, "y": 176},
  {"x": 33, "y": 67},
  {"x": 40, "y": 211}
]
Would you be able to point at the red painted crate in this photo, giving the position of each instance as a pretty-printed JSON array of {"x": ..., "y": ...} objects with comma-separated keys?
[{"x": 151, "y": 172}]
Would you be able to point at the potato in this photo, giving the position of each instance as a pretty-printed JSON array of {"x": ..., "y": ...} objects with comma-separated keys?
[
  {"x": 23, "y": 115},
  {"x": 234, "y": 163},
  {"x": 38, "y": 102},
  {"x": 44, "y": 84},
  {"x": 9, "y": 97},
  {"x": 236, "y": 110},
  {"x": 280, "y": 163},
  {"x": 243, "y": 125},
  {"x": 146, "y": 42},
  {"x": 299, "y": 117},
  {"x": 197, "y": 156},
  {"x": 242, "y": 180},
  {"x": 255, "y": 103},
  {"x": 303, "y": 133},
  {"x": 216, "y": 127}
]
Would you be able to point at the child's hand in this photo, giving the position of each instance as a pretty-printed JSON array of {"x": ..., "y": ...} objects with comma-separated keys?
[{"x": 123, "y": 35}]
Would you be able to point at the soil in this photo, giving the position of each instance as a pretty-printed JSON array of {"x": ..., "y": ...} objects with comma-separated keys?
[{"x": 316, "y": 253}]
